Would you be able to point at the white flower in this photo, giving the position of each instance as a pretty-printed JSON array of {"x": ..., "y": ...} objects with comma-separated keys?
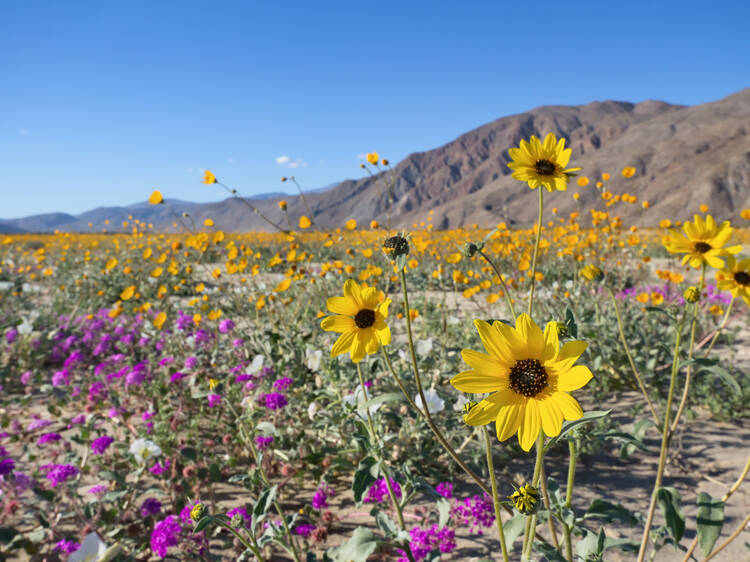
[
  {"x": 459, "y": 405},
  {"x": 26, "y": 327},
  {"x": 312, "y": 409},
  {"x": 435, "y": 404},
  {"x": 453, "y": 321},
  {"x": 91, "y": 550},
  {"x": 256, "y": 365},
  {"x": 403, "y": 355},
  {"x": 313, "y": 358},
  {"x": 358, "y": 398},
  {"x": 424, "y": 347},
  {"x": 143, "y": 449}
]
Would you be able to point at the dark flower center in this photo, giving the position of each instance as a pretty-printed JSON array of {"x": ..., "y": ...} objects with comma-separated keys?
[
  {"x": 364, "y": 318},
  {"x": 742, "y": 278},
  {"x": 544, "y": 167},
  {"x": 528, "y": 377},
  {"x": 702, "y": 247}
]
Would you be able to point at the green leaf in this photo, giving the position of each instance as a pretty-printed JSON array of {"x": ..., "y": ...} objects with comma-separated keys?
[
  {"x": 364, "y": 477},
  {"x": 266, "y": 428},
  {"x": 569, "y": 426},
  {"x": 361, "y": 544},
  {"x": 670, "y": 503},
  {"x": 203, "y": 523},
  {"x": 591, "y": 545},
  {"x": 444, "y": 509},
  {"x": 189, "y": 453},
  {"x": 570, "y": 323},
  {"x": 387, "y": 397},
  {"x": 513, "y": 528},
  {"x": 601, "y": 509},
  {"x": 264, "y": 503},
  {"x": 7, "y": 534},
  {"x": 710, "y": 520}
]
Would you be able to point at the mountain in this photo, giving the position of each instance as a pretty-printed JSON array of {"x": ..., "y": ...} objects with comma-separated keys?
[{"x": 684, "y": 157}]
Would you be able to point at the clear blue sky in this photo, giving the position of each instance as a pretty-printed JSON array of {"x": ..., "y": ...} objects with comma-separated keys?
[{"x": 104, "y": 101}]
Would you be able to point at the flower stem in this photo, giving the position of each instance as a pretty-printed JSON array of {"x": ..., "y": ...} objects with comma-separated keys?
[
  {"x": 630, "y": 357},
  {"x": 547, "y": 504},
  {"x": 502, "y": 282},
  {"x": 443, "y": 441},
  {"x": 569, "y": 496},
  {"x": 528, "y": 541},
  {"x": 720, "y": 328},
  {"x": 664, "y": 442},
  {"x": 689, "y": 369},
  {"x": 536, "y": 250},
  {"x": 495, "y": 499},
  {"x": 253, "y": 547},
  {"x": 387, "y": 478}
]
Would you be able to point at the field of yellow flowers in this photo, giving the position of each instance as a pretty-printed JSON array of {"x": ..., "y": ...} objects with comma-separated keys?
[{"x": 564, "y": 392}]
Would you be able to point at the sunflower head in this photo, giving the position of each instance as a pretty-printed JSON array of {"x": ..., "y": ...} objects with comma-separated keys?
[
  {"x": 703, "y": 242},
  {"x": 360, "y": 318},
  {"x": 528, "y": 376},
  {"x": 735, "y": 278},
  {"x": 542, "y": 163}
]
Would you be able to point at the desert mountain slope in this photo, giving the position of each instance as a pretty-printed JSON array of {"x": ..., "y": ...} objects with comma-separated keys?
[{"x": 684, "y": 156}]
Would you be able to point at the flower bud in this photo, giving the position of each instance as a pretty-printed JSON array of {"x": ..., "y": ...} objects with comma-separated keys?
[
  {"x": 692, "y": 294},
  {"x": 471, "y": 248},
  {"x": 198, "y": 512},
  {"x": 396, "y": 246},
  {"x": 525, "y": 499}
]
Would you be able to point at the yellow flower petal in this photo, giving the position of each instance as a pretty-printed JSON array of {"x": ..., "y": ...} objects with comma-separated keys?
[
  {"x": 552, "y": 417},
  {"x": 343, "y": 344},
  {"x": 477, "y": 383},
  {"x": 342, "y": 305},
  {"x": 338, "y": 324},
  {"x": 530, "y": 425},
  {"x": 574, "y": 378},
  {"x": 484, "y": 363},
  {"x": 568, "y": 405}
]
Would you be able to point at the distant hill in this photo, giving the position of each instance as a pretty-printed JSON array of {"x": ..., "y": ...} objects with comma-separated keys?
[{"x": 684, "y": 156}]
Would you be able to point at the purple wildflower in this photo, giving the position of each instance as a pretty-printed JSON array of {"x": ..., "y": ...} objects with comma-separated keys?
[
  {"x": 164, "y": 535},
  {"x": 7, "y": 466},
  {"x": 67, "y": 547},
  {"x": 226, "y": 326},
  {"x": 320, "y": 498},
  {"x": 476, "y": 512},
  {"x": 160, "y": 468},
  {"x": 241, "y": 511},
  {"x": 263, "y": 442},
  {"x": 100, "y": 444},
  {"x": 214, "y": 400},
  {"x": 282, "y": 383},
  {"x": 58, "y": 473},
  {"x": 97, "y": 490},
  {"x": 304, "y": 530},
  {"x": 445, "y": 489},
  {"x": 47, "y": 437},
  {"x": 150, "y": 506},
  {"x": 275, "y": 400},
  {"x": 379, "y": 491}
]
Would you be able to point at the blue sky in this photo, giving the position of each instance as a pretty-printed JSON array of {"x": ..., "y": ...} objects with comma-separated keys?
[{"x": 102, "y": 102}]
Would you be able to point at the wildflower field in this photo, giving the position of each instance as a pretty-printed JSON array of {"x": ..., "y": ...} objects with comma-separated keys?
[{"x": 574, "y": 391}]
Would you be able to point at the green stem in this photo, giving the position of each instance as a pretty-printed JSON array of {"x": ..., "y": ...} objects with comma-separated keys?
[
  {"x": 689, "y": 370},
  {"x": 502, "y": 282},
  {"x": 720, "y": 328},
  {"x": 495, "y": 499},
  {"x": 536, "y": 250},
  {"x": 443, "y": 441},
  {"x": 528, "y": 541},
  {"x": 376, "y": 445},
  {"x": 630, "y": 357},
  {"x": 254, "y": 546},
  {"x": 547, "y": 506},
  {"x": 569, "y": 496},
  {"x": 664, "y": 442}
]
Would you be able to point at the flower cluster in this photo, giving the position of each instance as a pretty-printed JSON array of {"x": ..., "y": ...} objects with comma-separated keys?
[
  {"x": 378, "y": 492},
  {"x": 424, "y": 541},
  {"x": 476, "y": 512}
]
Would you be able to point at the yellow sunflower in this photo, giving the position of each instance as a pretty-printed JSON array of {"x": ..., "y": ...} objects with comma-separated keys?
[
  {"x": 542, "y": 163},
  {"x": 703, "y": 242},
  {"x": 529, "y": 376},
  {"x": 735, "y": 278},
  {"x": 360, "y": 318}
]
